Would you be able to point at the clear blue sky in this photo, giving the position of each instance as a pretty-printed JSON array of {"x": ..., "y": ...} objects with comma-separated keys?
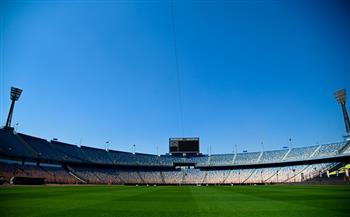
[{"x": 250, "y": 71}]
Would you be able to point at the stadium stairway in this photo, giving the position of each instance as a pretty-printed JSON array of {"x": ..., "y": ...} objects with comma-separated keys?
[
  {"x": 261, "y": 154},
  {"x": 285, "y": 156},
  {"x": 71, "y": 172},
  {"x": 316, "y": 150},
  {"x": 141, "y": 178},
  {"x": 162, "y": 177},
  {"x": 226, "y": 177},
  {"x": 296, "y": 174},
  {"x": 122, "y": 181},
  {"x": 77, "y": 177},
  {"x": 234, "y": 158},
  {"x": 205, "y": 177},
  {"x": 273, "y": 175},
  {"x": 344, "y": 148},
  {"x": 251, "y": 174}
]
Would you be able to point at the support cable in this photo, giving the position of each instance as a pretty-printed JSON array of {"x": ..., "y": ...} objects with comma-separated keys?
[{"x": 177, "y": 68}]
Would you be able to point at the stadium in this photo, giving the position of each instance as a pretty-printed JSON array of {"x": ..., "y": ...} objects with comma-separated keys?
[
  {"x": 174, "y": 108},
  {"x": 37, "y": 160},
  {"x": 28, "y": 160}
]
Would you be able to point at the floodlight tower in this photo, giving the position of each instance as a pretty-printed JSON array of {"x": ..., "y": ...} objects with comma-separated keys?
[
  {"x": 15, "y": 94},
  {"x": 340, "y": 96}
]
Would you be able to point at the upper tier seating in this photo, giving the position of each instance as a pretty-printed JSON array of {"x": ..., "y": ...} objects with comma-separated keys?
[
  {"x": 221, "y": 159},
  {"x": 146, "y": 159},
  {"x": 347, "y": 149},
  {"x": 11, "y": 145},
  {"x": 201, "y": 160},
  {"x": 300, "y": 153},
  {"x": 328, "y": 150},
  {"x": 247, "y": 158},
  {"x": 25, "y": 147},
  {"x": 73, "y": 152},
  {"x": 96, "y": 155},
  {"x": 43, "y": 148},
  {"x": 272, "y": 156},
  {"x": 123, "y": 158}
]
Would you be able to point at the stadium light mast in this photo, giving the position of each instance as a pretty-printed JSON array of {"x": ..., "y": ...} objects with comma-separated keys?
[
  {"x": 106, "y": 145},
  {"x": 340, "y": 96},
  {"x": 15, "y": 94}
]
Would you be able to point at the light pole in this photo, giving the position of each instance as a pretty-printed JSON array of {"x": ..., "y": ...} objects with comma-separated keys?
[
  {"x": 15, "y": 94},
  {"x": 106, "y": 145},
  {"x": 340, "y": 97},
  {"x": 290, "y": 142}
]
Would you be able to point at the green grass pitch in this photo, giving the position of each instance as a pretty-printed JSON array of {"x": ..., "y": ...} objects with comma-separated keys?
[{"x": 173, "y": 201}]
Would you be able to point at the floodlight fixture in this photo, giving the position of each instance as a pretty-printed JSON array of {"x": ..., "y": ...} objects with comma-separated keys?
[
  {"x": 15, "y": 94},
  {"x": 340, "y": 96}
]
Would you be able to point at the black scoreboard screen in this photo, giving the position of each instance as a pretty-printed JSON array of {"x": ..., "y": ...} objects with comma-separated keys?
[{"x": 184, "y": 145}]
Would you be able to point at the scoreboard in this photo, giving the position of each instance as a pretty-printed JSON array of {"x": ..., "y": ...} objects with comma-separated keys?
[{"x": 184, "y": 145}]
